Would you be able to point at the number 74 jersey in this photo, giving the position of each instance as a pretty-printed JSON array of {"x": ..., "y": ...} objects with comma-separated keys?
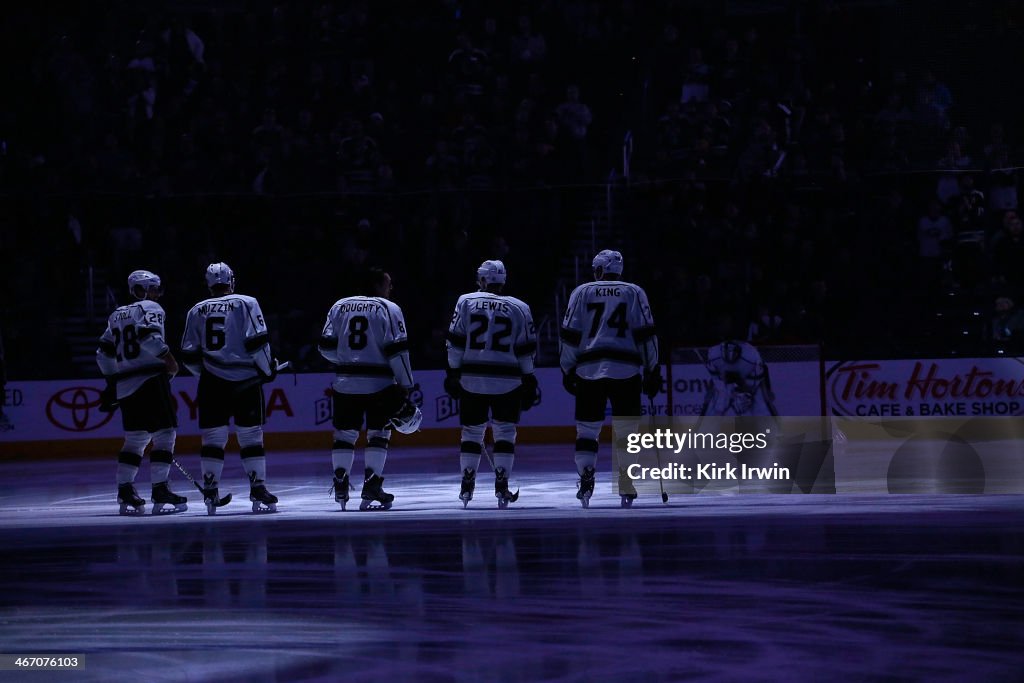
[{"x": 608, "y": 331}]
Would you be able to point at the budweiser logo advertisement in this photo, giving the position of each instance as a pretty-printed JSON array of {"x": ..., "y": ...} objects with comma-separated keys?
[{"x": 966, "y": 387}]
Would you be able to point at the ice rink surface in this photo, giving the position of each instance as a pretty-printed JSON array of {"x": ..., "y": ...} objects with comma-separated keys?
[{"x": 711, "y": 587}]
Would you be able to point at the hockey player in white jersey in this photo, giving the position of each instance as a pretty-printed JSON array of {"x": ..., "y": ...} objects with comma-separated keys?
[
  {"x": 740, "y": 383},
  {"x": 365, "y": 340},
  {"x": 492, "y": 343},
  {"x": 138, "y": 366},
  {"x": 609, "y": 353},
  {"x": 227, "y": 345}
]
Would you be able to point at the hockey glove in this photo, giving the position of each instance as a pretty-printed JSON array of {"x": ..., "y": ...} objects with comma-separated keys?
[
  {"x": 452, "y": 385},
  {"x": 569, "y": 380},
  {"x": 652, "y": 382},
  {"x": 741, "y": 402},
  {"x": 529, "y": 392},
  {"x": 108, "y": 397}
]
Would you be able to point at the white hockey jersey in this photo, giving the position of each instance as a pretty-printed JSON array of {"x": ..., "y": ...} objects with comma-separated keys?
[
  {"x": 608, "y": 331},
  {"x": 492, "y": 341},
  {"x": 228, "y": 337},
  {"x": 132, "y": 347},
  {"x": 365, "y": 339},
  {"x": 740, "y": 384}
]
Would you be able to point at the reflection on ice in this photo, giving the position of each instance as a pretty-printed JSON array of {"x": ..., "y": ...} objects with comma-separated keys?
[{"x": 492, "y": 600}]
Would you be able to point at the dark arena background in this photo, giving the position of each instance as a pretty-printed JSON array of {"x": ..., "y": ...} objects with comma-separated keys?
[{"x": 834, "y": 182}]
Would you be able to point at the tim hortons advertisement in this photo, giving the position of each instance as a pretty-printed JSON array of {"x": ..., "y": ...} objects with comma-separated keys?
[{"x": 959, "y": 387}]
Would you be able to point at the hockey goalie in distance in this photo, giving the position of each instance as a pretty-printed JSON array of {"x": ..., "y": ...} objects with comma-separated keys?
[{"x": 740, "y": 385}]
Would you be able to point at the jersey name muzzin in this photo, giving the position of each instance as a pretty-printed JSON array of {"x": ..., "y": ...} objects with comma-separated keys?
[
  {"x": 489, "y": 305},
  {"x": 607, "y": 291},
  {"x": 360, "y": 307},
  {"x": 218, "y": 307}
]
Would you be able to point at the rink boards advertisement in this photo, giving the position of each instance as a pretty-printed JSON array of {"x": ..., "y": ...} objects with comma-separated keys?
[
  {"x": 955, "y": 387},
  {"x": 69, "y": 409}
]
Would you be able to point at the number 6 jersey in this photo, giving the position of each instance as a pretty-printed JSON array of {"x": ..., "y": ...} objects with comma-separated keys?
[
  {"x": 228, "y": 336},
  {"x": 608, "y": 331},
  {"x": 365, "y": 339},
  {"x": 132, "y": 347}
]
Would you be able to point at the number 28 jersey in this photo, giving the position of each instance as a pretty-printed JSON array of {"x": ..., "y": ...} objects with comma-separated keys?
[
  {"x": 132, "y": 347},
  {"x": 228, "y": 335},
  {"x": 608, "y": 331},
  {"x": 365, "y": 339}
]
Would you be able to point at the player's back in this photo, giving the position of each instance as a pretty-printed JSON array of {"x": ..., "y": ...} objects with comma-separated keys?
[
  {"x": 606, "y": 326},
  {"x": 361, "y": 336},
  {"x": 492, "y": 333},
  {"x": 226, "y": 330},
  {"x": 128, "y": 328}
]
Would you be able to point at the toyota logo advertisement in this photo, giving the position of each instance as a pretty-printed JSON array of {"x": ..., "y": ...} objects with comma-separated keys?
[{"x": 76, "y": 409}]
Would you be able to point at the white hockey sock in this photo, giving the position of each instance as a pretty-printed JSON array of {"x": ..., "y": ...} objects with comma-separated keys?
[
  {"x": 212, "y": 462},
  {"x": 504, "y": 460},
  {"x": 469, "y": 461},
  {"x": 126, "y": 473},
  {"x": 159, "y": 472},
  {"x": 584, "y": 460},
  {"x": 254, "y": 461},
  {"x": 375, "y": 458},
  {"x": 343, "y": 458}
]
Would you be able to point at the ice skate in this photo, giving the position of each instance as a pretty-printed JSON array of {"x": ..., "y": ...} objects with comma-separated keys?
[
  {"x": 586, "y": 486},
  {"x": 162, "y": 496},
  {"x": 341, "y": 487},
  {"x": 262, "y": 499},
  {"x": 501, "y": 491},
  {"x": 468, "y": 485},
  {"x": 211, "y": 497},
  {"x": 129, "y": 500},
  {"x": 373, "y": 493},
  {"x": 627, "y": 491}
]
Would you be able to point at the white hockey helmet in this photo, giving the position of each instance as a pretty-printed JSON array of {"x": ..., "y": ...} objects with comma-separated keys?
[
  {"x": 608, "y": 262},
  {"x": 491, "y": 273},
  {"x": 220, "y": 274},
  {"x": 408, "y": 418},
  {"x": 142, "y": 282}
]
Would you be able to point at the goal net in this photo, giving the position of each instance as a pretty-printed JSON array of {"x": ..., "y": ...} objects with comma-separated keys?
[{"x": 797, "y": 374}]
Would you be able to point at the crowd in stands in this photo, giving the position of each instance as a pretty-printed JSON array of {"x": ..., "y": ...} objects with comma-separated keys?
[{"x": 789, "y": 180}]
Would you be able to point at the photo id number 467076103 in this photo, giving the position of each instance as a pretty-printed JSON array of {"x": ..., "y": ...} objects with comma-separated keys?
[{"x": 40, "y": 662}]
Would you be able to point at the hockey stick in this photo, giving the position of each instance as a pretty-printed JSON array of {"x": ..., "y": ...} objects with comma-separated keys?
[
  {"x": 657, "y": 455},
  {"x": 223, "y": 501},
  {"x": 187, "y": 475}
]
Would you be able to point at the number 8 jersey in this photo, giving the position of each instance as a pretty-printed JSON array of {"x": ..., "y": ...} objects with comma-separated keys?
[
  {"x": 608, "y": 331},
  {"x": 228, "y": 335},
  {"x": 132, "y": 347},
  {"x": 365, "y": 339}
]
